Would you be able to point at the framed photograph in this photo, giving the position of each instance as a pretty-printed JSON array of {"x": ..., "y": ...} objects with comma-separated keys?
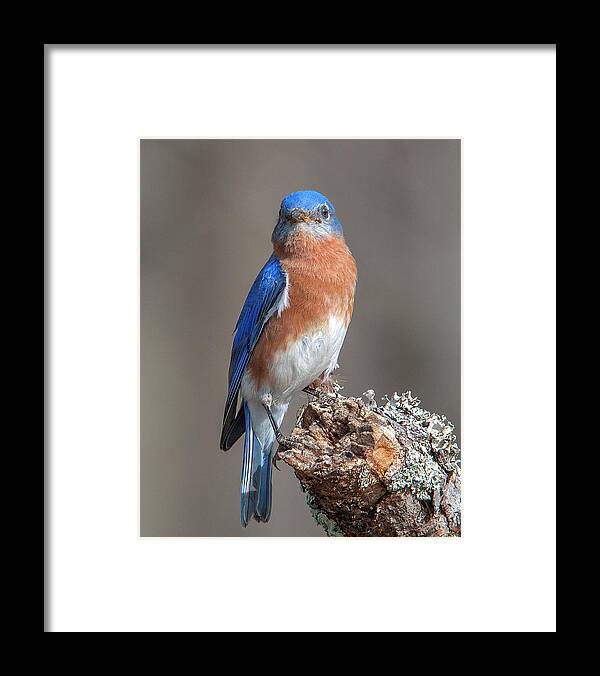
[{"x": 301, "y": 314}]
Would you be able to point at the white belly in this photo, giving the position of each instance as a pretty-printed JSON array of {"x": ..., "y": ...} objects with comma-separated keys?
[
  {"x": 306, "y": 359},
  {"x": 301, "y": 362}
]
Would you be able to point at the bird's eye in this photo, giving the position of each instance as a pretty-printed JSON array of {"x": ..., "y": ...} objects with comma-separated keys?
[{"x": 325, "y": 211}]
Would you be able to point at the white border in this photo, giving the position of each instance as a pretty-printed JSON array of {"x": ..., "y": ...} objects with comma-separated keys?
[{"x": 500, "y": 575}]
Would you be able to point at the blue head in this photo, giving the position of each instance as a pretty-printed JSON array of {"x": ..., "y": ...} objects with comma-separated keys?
[{"x": 306, "y": 211}]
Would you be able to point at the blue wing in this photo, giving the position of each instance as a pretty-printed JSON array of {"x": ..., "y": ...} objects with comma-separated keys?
[{"x": 258, "y": 308}]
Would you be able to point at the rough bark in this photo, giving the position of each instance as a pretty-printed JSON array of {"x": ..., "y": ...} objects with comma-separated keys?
[{"x": 369, "y": 470}]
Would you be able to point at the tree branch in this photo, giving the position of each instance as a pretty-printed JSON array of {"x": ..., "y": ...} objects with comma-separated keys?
[{"x": 369, "y": 470}]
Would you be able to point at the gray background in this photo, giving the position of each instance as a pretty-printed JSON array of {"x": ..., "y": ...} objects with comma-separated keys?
[{"x": 207, "y": 211}]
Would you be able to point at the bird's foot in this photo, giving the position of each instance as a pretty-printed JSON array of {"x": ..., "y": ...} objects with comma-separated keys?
[
  {"x": 323, "y": 385},
  {"x": 285, "y": 442}
]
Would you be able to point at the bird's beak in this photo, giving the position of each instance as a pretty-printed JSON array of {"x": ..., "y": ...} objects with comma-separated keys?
[{"x": 300, "y": 216}]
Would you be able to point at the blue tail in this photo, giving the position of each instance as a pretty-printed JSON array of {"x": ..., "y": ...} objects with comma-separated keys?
[
  {"x": 256, "y": 486},
  {"x": 265, "y": 489}
]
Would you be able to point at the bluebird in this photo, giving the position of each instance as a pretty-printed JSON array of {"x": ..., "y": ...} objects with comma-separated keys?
[{"x": 287, "y": 338}]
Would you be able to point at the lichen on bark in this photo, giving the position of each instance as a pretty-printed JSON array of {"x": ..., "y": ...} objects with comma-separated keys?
[{"x": 377, "y": 470}]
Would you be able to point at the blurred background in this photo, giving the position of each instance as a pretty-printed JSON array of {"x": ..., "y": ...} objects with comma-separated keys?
[{"x": 208, "y": 208}]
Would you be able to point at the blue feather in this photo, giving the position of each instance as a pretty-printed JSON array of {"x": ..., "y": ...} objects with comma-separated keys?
[
  {"x": 257, "y": 473},
  {"x": 265, "y": 487},
  {"x": 247, "y": 489},
  {"x": 262, "y": 299}
]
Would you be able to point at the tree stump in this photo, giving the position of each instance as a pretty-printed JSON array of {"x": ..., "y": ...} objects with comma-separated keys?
[{"x": 372, "y": 471}]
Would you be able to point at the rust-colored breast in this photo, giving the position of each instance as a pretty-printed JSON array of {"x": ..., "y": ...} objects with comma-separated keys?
[{"x": 321, "y": 283}]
